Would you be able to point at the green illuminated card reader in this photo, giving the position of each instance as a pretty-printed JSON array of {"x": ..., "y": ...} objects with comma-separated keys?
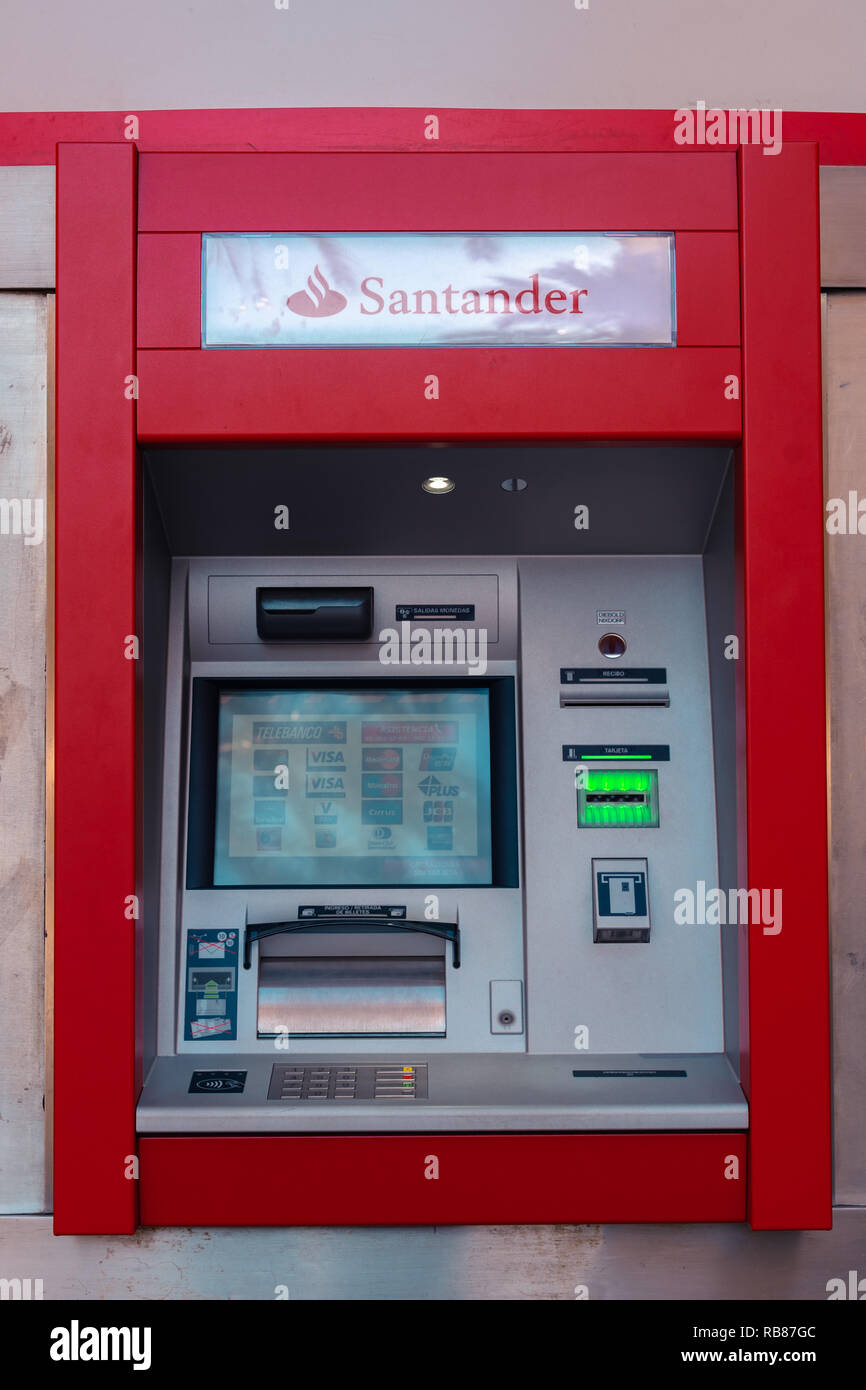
[{"x": 614, "y": 800}]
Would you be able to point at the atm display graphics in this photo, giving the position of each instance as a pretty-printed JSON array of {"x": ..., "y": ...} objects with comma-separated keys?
[{"x": 325, "y": 786}]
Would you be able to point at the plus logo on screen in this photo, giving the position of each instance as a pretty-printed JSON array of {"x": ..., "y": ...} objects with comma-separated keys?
[{"x": 431, "y": 786}]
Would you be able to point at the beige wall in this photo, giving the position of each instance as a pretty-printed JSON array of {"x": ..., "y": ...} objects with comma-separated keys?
[
  {"x": 24, "y": 348},
  {"x": 708, "y": 1262},
  {"x": 798, "y": 55},
  {"x": 98, "y": 55}
]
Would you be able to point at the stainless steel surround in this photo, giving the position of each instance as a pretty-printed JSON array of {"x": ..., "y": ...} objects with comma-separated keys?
[
  {"x": 551, "y": 1017},
  {"x": 466, "y": 1093}
]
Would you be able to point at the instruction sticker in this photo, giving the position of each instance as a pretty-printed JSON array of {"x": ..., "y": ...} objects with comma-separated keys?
[{"x": 211, "y": 1008}]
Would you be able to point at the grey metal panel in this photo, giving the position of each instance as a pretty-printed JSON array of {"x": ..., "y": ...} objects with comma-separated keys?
[
  {"x": 845, "y": 386},
  {"x": 491, "y": 941},
  {"x": 222, "y": 604},
  {"x": 471, "y": 1092},
  {"x": 663, "y": 996},
  {"x": 720, "y": 596},
  {"x": 174, "y": 783},
  {"x": 27, "y": 227},
  {"x": 24, "y": 339},
  {"x": 506, "y": 1006},
  {"x": 368, "y": 500},
  {"x": 232, "y": 603},
  {"x": 152, "y": 605},
  {"x": 490, "y": 919},
  {"x": 843, "y": 220},
  {"x": 439, "y": 1263}
]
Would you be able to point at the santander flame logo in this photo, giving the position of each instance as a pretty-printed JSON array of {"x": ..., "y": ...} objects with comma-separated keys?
[{"x": 318, "y": 301}]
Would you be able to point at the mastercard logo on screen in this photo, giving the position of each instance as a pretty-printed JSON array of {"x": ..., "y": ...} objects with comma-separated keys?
[{"x": 383, "y": 759}]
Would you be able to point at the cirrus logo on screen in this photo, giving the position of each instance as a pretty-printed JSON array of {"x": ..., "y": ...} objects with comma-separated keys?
[{"x": 318, "y": 300}]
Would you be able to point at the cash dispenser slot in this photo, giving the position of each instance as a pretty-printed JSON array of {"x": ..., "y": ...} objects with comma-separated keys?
[
  {"x": 356, "y": 983},
  {"x": 352, "y": 996},
  {"x": 295, "y": 614}
]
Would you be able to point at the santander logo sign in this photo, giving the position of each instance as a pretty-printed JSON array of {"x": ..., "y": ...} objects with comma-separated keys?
[
  {"x": 320, "y": 300},
  {"x": 453, "y": 289}
]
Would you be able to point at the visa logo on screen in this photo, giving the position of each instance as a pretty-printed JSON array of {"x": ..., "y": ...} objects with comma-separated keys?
[
  {"x": 317, "y": 756},
  {"x": 319, "y": 784}
]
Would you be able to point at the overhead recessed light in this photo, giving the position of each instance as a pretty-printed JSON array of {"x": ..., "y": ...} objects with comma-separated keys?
[{"x": 438, "y": 485}]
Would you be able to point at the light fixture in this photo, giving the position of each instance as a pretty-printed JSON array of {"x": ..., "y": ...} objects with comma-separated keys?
[{"x": 438, "y": 485}]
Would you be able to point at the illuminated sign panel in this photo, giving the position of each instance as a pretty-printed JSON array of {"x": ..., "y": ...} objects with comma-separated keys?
[{"x": 398, "y": 289}]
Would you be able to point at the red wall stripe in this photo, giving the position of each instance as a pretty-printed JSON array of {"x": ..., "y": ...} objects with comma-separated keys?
[
  {"x": 480, "y": 1179},
  {"x": 514, "y": 393},
  {"x": 407, "y": 191},
  {"x": 708, "y": 288},
  {"x": 95, "y": 1086},
  {"x": 31, "y": 137},
  {"x": 169, "y": 289},
  {"x": 788, "y": 988}
]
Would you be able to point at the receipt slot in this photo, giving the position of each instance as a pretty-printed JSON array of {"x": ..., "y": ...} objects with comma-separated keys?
[{"x": 410, "y": 771}]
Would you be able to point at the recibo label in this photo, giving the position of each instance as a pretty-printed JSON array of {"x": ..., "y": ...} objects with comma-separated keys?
[
  {"x": 610, "y": 616},
  {"x": 578, "y": 675}
]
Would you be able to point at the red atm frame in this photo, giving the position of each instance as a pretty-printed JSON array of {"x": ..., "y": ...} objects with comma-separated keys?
[{"x": 130, "y": 369}]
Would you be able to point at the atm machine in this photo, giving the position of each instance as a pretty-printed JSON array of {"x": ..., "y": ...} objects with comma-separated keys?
[
  {"x": 439, "y": 645},
  {"x": 423, "y": 817}
]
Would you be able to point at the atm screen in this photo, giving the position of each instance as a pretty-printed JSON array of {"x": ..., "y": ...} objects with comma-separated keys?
[{"x": 323, "y": 786}]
